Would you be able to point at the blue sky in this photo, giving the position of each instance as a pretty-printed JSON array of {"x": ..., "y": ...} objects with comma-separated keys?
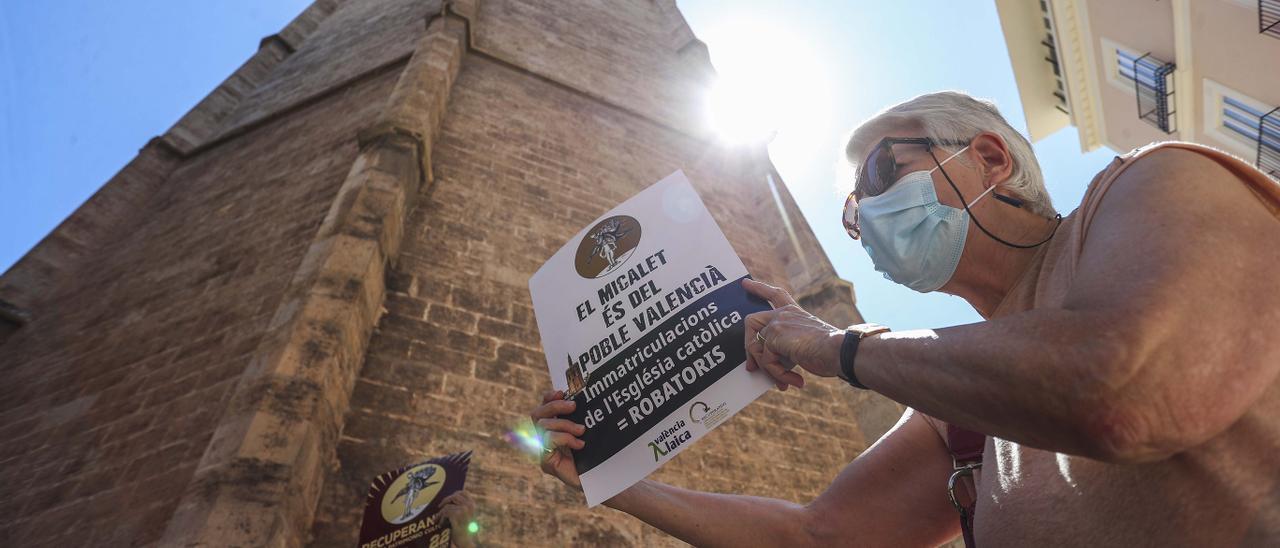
[{"x": 83, "y": 85}]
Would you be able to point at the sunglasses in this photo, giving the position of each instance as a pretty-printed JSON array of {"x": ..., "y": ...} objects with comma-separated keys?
[{"x": 878, "y": 172}]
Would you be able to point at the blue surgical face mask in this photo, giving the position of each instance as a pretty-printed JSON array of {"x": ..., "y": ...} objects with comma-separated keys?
[{"x": 911, "y": 238}]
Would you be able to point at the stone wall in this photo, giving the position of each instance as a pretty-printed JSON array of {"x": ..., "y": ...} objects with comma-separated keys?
[
  {"x": 455, "y": 363},
  {"x": 534, "y": 147},
  {"x": 320, "y": 274}
]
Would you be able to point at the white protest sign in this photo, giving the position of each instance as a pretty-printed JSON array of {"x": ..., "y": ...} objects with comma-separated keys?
[{"x": 642, "y": 320}]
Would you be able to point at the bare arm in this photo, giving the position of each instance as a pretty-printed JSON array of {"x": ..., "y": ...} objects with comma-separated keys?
[
  {"x": 891, "y": 495},
  {"x": 1159, "y": 346}
]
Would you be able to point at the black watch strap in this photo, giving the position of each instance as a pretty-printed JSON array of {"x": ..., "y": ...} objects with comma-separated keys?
[{"x": 848, "y": 351}]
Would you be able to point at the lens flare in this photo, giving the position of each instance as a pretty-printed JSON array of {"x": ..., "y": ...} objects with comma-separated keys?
[
  {"x": 526, "y": 438},
  {"x": 771, "y": 88},
  {"x": 473, "y": 527}
]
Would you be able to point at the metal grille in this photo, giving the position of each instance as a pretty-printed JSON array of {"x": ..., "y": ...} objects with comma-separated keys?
[
  {"x": 1269, "y": 17},
  {"x": 1269, "y": 143},
  {"x": 1153, "y": 87}
]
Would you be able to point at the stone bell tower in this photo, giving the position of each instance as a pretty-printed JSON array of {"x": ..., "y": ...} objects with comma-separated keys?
[{"x": 319, "y": 274}]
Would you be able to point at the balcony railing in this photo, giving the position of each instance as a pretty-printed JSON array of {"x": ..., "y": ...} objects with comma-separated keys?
[
  {"x": 1269, "y": 143},
  {"x": 1269, "y": 17},
  {"x": 1061, "y": 90},
  {"x": 1153, "y": 88},
  {"x": 1050, "y": 43}
]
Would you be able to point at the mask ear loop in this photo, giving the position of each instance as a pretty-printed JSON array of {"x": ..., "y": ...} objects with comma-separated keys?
[
  {"x": 975, "y": 219},
  {"x": 935, "y": 158},
  {"x": 975, "y": 200}
]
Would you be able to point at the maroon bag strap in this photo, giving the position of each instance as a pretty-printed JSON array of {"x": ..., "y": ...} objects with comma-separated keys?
[{"x": 966, "y": 447}]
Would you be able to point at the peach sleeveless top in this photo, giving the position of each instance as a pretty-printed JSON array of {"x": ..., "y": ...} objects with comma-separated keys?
[{"x": 1047, "y": 280}]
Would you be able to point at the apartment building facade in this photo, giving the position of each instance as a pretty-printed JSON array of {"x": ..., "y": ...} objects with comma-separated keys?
[{"x": 1127, "y": 73}]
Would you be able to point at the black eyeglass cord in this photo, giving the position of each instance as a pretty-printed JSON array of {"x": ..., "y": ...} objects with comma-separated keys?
[{"x": 984, "y": 230}]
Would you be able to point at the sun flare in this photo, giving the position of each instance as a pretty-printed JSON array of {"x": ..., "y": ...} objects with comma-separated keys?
[{"x": 769, "y": 83}]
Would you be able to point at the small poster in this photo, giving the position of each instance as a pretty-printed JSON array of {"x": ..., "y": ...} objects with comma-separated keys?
[
  {"x": 403, "y": 507},
  {"x": 641, "y": 316}
]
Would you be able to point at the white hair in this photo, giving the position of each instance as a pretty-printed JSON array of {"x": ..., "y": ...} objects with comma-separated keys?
[{"x": 957, "y": 116}]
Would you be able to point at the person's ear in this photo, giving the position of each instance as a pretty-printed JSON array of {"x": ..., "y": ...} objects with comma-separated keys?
[{"x": 995, "y": 163}]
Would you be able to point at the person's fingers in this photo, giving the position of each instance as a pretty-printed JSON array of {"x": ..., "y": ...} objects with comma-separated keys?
[
  {"x": 556, "y": 440},
  {"x": 776, "y": 296},
  {"x": 768, "y": 362},
  {"x": 562, "y": 425},
  {"x": 793, "y": 379},
  {"x": 457, "y": 506},
  {"x": 759, "y": 352},
  {"x": 770, "y": 357},
  {"x": 780, "y": 372},
  {"x": 552, "y": 395},
  {"x": 754, "y": 323},
  {"x": 773, "y": 348},
  {"x": 460, "y": 497},
  {"x": 760, "y": 355},
  {"x": 553, "y": 409},
  {"x": 774, "y": 369},
  {"x": 756, "y": 356},
  {"x": 466, "y": 502},
  {"x": 550, "y": 460},
  {"x": 751, "y": 348},
  {"x": 760, "y": 289}
]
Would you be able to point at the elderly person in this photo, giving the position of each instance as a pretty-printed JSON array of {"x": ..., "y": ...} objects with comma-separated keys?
[{"x": 1121, "y": 391}]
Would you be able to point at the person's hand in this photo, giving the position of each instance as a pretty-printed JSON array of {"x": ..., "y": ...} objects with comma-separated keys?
[
  {"x": 460, "y": 510},
  {"x": 791, "y": 336},
  {"x": 561, "y": 436}
]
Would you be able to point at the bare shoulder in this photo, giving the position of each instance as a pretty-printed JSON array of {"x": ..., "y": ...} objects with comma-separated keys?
[
  {"x": 1176, "y": 178},
  {"x": 1179, "y": 195},
  {"x": 1175, "y": 229}
]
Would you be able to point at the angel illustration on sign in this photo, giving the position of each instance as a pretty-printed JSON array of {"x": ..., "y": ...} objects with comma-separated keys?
[
  {"x": 417, "y": 482},
  {"x": 607, "y": 238}
]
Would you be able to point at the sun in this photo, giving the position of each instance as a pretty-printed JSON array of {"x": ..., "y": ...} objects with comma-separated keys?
[{"x": 769, "y": 83}]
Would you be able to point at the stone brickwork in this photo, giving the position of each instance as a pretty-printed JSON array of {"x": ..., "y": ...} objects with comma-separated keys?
[{"x": 320, "y": 274}]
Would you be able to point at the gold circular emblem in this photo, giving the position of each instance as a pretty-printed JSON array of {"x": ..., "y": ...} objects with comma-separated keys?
[
  {"x": 607, "y": 246},
  {"x": 412, "y": 492}
]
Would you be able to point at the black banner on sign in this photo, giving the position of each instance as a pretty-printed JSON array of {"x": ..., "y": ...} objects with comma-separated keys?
[
  {"x": 660, "y": 372},
  {"x": 403, "y": 506}
]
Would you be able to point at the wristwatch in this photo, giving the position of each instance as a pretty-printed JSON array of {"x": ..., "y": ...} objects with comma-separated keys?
[{"x": 853, "y": 335}]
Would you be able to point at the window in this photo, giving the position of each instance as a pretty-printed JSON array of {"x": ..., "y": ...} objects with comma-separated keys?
[
  {"x": 1117, "y": 62},
  {"x": 1153, "y": 88},
  {"x": 1237, "y": 120},
  {"x": 1120, "y": 62},
  {"x": 1241, "y": 118},
  {"x": 1144, "y": 65},
  {"x": 1148, "y": 79},
  {"x": 1269, "y": 17}
]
